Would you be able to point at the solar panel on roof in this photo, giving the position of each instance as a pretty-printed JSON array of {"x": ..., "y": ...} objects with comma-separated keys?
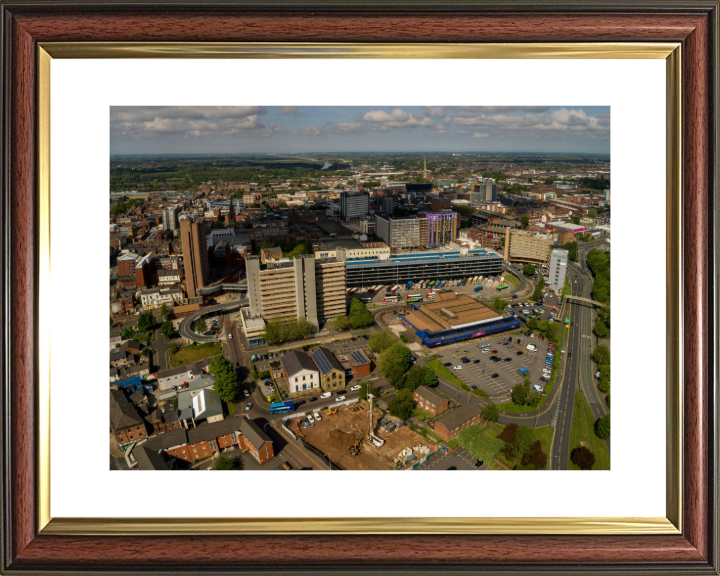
[
  {"x": 322, "y": 362},
  {"x": 359, "y": 357}
]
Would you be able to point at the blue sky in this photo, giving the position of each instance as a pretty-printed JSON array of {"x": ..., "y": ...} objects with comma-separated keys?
[{"x": 277, "y": 129}]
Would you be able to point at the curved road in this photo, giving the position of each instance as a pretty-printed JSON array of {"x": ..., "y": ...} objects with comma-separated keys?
[{"x": 187, "y": 322}]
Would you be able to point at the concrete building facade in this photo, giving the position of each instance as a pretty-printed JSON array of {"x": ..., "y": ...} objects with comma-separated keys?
[
  {"x": 195, "y": 256},
  {"x": 170, "y": 218},
  {"x": 558, "y": 268},
  {"x": 527, "y": 247},
  {"x": 354, "y": 206}
]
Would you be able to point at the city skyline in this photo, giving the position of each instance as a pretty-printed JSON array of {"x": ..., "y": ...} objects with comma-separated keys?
[{"x": 358, "y": 129}]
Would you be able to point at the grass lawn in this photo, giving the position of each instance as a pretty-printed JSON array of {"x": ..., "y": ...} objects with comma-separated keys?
[
  {"x": 189, "y": 354},
  {"x": 512, "y": 407},
  {"x": 514, "y": 281},
  {"x": 578, "y": 434},
  {"x": 545, "y": 435},
  {"x": 430, "y": 434},
  {"x": 420, "y": 412},
  {"x": 567, "y": 290},
  {"x": 231, "y": 408}
]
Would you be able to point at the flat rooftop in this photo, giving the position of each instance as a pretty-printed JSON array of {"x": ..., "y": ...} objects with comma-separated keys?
[{"x": 450, "y": 311}]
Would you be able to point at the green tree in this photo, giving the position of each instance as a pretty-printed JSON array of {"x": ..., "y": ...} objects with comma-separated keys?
[
  {"x": 592, "y": 213},
  {"x": 402, "y": 405},
  {"x": 339, "y": 323},
  {"x": 571, "y": 247},
  {"x": 491, "y": 412},
  {"x": 381, "y": 340},
  {"x": 525, "y": 221},
  {"x": 532, "y": 324},
  {"x": 225, "y": 384},
  {"x": 364, "y": 389},
  {"x": 360, "y": 317},
  {"x": 528, "y": 270},
  {"x": 146, "y": 321},
  {"x": 499, "y": 304},
  {"x": 521, "y": 393},
  {"x": 393, "y": 364},
  {"x": 538, "y": 289},
  {"x": 174, "y": 348},
  {"x": 146, "y": 352},
  {"x": 164, "y": 311},
  {"x": 127, "y": 333},
  {"x": 479, "y": 444},
  {"x": 224, "y": 462},
  {"x": 602, "y": 427},
  {"x": 576, "y": 219},
  {"x": 419, "y": 376},
  {"x": 522, "y": 443},
  {"x": 268, "y": 243},
  {"x": 601, "y": 354},
  {"x": 279, "y": 330},
  {"x": 200, "y": 326},
  {"x": 600, "y": 329},
  {"x": 167, "y": 329}
]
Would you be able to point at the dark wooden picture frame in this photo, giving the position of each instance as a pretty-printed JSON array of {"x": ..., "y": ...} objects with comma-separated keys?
[{"x": 26, "y": 24}]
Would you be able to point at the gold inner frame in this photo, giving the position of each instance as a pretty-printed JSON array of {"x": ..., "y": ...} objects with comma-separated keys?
[{"x": 671, "y": 524}]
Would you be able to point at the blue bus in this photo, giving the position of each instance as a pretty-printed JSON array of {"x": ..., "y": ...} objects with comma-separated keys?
[
  {"x": 408, "y": 285},
  {"x": 282, "y": 407}
]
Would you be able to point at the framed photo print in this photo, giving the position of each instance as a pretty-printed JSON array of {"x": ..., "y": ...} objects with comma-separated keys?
[{"x": 378, "y": 269}]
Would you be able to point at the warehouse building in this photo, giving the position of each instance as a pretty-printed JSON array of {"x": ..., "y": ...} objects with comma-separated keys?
[{"x": 451, "y": 318}]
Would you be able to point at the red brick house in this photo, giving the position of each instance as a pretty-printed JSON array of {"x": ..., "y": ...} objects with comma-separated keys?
[
  {"x": 431, "y": 401},
  {"x": 205, "y": 441},
  {"x": 126, "y": 422},
  {"x": 450, "y": 425}
]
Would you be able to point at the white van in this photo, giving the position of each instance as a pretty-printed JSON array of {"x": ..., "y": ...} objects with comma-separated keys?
[
  {"x": 326, "y": 395},
  {"x": 532, "y": 347}
]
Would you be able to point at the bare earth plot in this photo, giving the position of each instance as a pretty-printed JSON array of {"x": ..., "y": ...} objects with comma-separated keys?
[{"x": 336, "y": 433}]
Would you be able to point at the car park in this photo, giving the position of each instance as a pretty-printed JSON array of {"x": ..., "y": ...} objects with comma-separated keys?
[{"x": 357, "y": 387}]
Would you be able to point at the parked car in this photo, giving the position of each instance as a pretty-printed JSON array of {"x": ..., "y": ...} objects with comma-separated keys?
[
  {"x": 544, "y": 380},
  {"x": 476, "y": 362},
  {"x": 357, "y": 387},
  {"x": 341, "y": 392},
  {"x": 447, "y": 364},
  {"x": 494, "y": 351},
  {"x": 248, "y": 406},
  {"x": 339, "y": 398},
  {"x": 318, "y": 417},
  {"x": 519, "y": 353},
  {"x": 508, "y": 359},
  {"x": 326, "y": 395},
  {"x": 495, "y": 375},
  {"x": 246, "y": 393},
  {"x": 457, "y": 368},
  {"x": 474, "y": 387}
]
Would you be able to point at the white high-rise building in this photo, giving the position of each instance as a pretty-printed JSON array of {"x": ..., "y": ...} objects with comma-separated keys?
[{"x": 558, "y": 268}]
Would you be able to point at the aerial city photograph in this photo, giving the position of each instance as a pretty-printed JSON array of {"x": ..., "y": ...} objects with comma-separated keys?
[{"x": 360, "y": 288}]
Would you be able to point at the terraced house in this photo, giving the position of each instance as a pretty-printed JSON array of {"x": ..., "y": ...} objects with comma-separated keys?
[{"x": 332, "y": 374}]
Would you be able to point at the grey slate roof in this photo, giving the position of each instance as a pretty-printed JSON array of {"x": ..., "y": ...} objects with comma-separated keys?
[
  {"x": 149, "y": 459},
  {"x": 429, "y": 394},
  {"x": 253, "y": 433},
  {"x": 122, "y": 413},
  {"x": 294, "y": 361},
  {"x": 322, "y": 352},
  {"x": 459, "y": 416}
]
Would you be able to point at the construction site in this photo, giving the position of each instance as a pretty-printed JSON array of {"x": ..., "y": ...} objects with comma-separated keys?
[{"x": 343, "y": 436}]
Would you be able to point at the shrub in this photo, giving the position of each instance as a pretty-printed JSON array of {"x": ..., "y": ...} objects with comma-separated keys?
[
  {"x": 583, "y": 458},
  {"x": 602, "y": 427},
  {"x": 403, "y": 339},
  {"x": 421, "y": 418}
]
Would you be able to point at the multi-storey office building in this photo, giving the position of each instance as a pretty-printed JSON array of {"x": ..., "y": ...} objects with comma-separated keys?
[
  {"x": 195, "y": 256},
  {"x": 528, "y": 247},
  {"x": 302, "y": 288},
  {"x": 442, "y": 227},
  {"x": 170, "y": 218},
  {"x": 402, "y": 268},
  {"x": 354, "y": 206},
  {"x": 403, "y": 233},
  {"x": 558, "y": 268}
]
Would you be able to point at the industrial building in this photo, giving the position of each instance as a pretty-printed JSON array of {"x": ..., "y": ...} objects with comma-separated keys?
[
  {"x": 305, "y": 287},
  {"x": 401, "y": 268},
  {"x": 452, "y": 318}
]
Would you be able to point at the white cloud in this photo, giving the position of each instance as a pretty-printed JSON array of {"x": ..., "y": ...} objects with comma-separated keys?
[
  {"x": 141, "y": 113},
  {"x": 313, "y": 131},
  {"x": 433, "y": 111},
  {"x": 478, "y": 135},
  {"x": 196, "y": 128},
  {"x": 382, "y": 121},
  {"x": 344, "y": 128}
]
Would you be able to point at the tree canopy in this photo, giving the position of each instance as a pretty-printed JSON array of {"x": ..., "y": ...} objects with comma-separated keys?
[
  {"x": 393, "y": 364},
  {"x": 339, "y": 323},
  {"x": 360, "y": 317},
  {"x": 279, "y": 330},
  {"x": 224, "y": 462},
  {"x": 528, "y": 270},
  {"x": 381, "y": 340},
  {"x": 167, "y": 329},
  {"x": 146, "y": 321},
  {"x": 491, "y": 412},
  {"x": 419, "y": 376},
  {"x": 402, "y": 405},
  {"x": 583, "y": 458},
  {"x": 479, "y": 444},
  {"x": 601, "y": 354},
  {"x": 602, "y": 427},
  {"x": 200, "y": 326},
  {"x": 164, "y": 311},
  {"x": 225, "y": 384},
  {"x": 364, "y": 389}
]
